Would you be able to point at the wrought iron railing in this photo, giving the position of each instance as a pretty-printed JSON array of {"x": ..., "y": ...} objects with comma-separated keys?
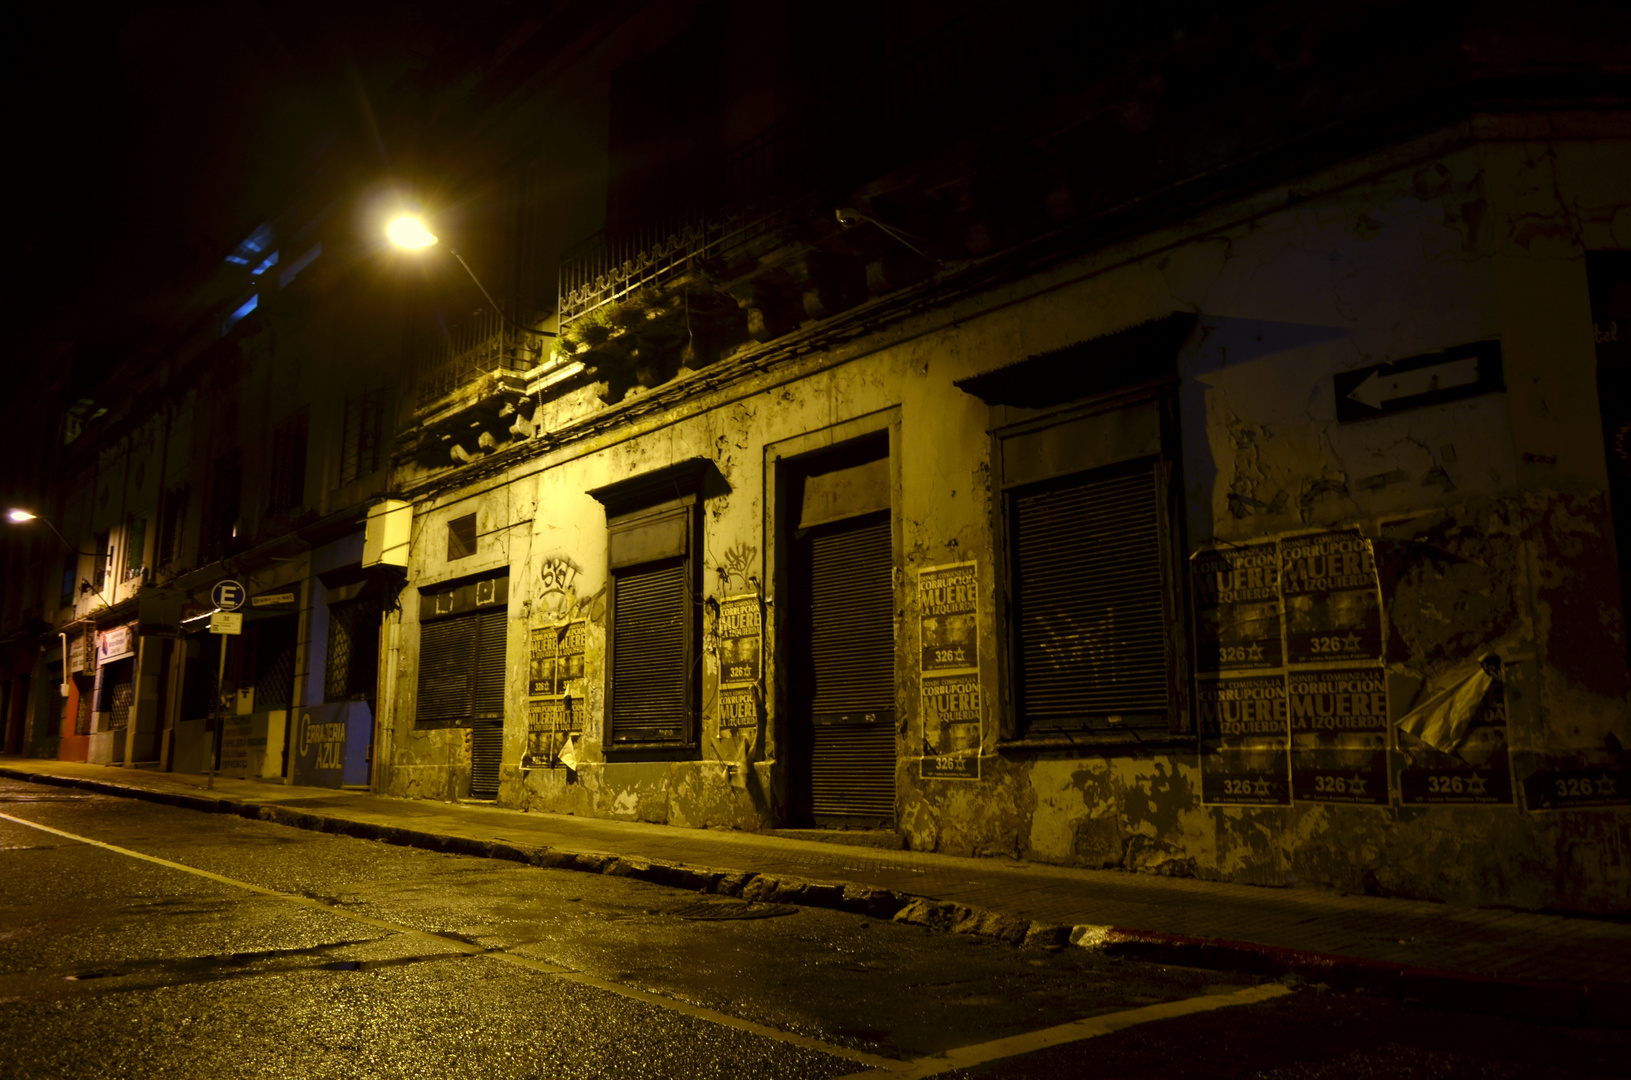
[
  {"x": 478, "y": 346},
  {"x": 980, "y": 66}
]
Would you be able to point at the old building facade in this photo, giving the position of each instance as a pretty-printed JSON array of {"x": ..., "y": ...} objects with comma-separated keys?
[{"x": 1186, "y": 445}]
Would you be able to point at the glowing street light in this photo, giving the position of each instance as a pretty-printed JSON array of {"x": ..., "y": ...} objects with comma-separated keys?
[
  {"x": 17, "y": 517},
  {"x": 408, "y": 232},
  {"x": 411, "y": 234}
]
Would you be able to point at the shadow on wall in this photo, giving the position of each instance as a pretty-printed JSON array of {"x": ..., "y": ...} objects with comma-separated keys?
[{"x": 1221, "y": 341}]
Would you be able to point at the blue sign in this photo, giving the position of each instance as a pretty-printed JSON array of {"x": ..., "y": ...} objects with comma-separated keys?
[{"x": 228, "y": 595}]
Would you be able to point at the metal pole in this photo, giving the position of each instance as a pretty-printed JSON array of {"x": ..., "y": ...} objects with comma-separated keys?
[{"x": 220, "y": 709}]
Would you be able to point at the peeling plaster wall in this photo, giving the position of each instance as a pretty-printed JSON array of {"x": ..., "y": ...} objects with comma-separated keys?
[{"x": 1488, "y": 516}]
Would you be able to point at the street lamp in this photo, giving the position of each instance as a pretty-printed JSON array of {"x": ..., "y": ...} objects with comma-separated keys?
[
  {"x": 411, "y": 234},
  {"x": 18, "y": 516}
]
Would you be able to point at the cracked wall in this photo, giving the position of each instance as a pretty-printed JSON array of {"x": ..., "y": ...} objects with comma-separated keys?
[{"x": 1487, "y": 516}]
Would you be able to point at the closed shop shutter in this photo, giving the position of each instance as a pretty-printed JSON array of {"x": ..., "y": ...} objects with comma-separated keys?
[
  {"x": 852, "y": 770},
  {"x": 447, "y": 660},
  {"x": 486, "y": 748},
  {"x": 651, "y": 607},
  {"x": 852, "y": 664},
  {"x": 1090, "y": 604},
  {"x": 852, "y": 640},
  {"x": 489, "y": 687}
]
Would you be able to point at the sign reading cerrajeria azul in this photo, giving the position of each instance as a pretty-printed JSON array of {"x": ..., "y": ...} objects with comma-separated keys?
[{"x": 331, "y": 744}]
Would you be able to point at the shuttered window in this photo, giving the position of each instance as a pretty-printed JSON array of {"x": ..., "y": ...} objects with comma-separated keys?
[
  {"x": 651, "y": 614},
  {"x": 1090, "y": 600},
  {"x": 462, "y": 656}
]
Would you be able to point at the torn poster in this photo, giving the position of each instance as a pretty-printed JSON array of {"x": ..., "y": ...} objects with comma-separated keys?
[
  {"x": 1243, "y": 740},
  {"x": 1333, "y": 600},
  {"x": 1237, "y": 607},
  {"x": 1453, "y": 746},
  {"x": 1338, "y": 735},
  {"x": 740, "y": 634}
]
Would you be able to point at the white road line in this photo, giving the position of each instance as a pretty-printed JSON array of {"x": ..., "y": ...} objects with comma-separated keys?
[
  {"x": 880, "y": 1067},
  {"x": 567, "y": 974},
  {"x": 968, "y": 1056}
]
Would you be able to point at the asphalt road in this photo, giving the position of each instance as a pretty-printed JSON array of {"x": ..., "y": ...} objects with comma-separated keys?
[{"x": 138, "y": 940}]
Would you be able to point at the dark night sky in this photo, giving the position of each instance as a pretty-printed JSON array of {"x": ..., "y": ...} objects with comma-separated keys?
[{"x": 148, "y": 138}]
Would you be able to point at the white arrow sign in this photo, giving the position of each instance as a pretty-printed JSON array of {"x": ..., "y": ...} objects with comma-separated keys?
[{"x": 1378, "y": 389}]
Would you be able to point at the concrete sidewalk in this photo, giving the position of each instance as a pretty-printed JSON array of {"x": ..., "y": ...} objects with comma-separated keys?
[{"x": 1540, "y": 967}]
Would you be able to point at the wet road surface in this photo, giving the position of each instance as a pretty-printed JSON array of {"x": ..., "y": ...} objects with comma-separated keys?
[{"x": 142, "y": 940}]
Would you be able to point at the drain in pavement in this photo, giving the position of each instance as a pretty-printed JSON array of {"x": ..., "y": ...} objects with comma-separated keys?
[{"x": 730, "y": 909}]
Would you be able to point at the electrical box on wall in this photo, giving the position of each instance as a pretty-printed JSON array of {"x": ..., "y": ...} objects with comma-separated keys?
[{"x": 385, "y": 541}]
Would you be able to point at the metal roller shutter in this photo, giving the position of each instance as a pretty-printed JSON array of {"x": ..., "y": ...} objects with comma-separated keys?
[
  {"x": 852, "y": 637},
  {"x": 852, "y": 653},
  {"x": 447, "y": 655},
  {"x": 486, "y": 748},
  {"x": 489, "y": 670},
  {"x": 649, "y": 677},
  {"x": 1090, "y": 600},
  {"x": 852, "y": 770}
]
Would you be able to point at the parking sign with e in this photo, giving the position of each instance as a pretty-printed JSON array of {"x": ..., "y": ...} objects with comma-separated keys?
[{"x": 228, "y": 595}]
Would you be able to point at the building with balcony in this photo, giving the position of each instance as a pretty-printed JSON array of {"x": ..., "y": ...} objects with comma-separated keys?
[{"x": 1163, "y": 439}]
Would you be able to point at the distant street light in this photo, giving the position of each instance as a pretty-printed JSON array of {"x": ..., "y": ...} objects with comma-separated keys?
[
  {"x": 18, "y": 516},
  {"x": 411, "y": 234}
]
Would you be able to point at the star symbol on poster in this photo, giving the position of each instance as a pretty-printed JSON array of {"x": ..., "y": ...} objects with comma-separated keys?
[
  {"x": 1261, "y": 788},
  {"x": 1606, "y": 784},
  {"x": 1255, "y": 652},
  {"x": 1351, "y": 643},
  {"x": 1477, "y": 784},
  {"x": 1356, "y": 786}
]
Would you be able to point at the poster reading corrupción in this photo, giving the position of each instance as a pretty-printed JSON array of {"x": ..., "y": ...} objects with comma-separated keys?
[
  {"x": 740, "y": 633},
  {"x": 1338, "y": 735},
  {"x": 1237, "y": 607},
  {"x": 1243, "y": 738}
]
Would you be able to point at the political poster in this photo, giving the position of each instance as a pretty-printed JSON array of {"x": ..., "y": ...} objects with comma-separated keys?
[
  {"x": 555, "y": 665},
  {"x": 1453, "y": 747},
  {"x": 740, "y": 638},
  {"x": 1339, "y": 735},
  {"x": 952, "y": 723},
  {"x": 738, "y": 708},
  {"x": 1244, "y": 740},
  {"x": 1585, "y": 779},
  {"x": 948, "y": 630},
  {"x": 1237, "y": 608},
  {"x": 1333, "y": 601}
]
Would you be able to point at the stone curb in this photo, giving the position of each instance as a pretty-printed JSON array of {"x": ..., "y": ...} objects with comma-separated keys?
[{"x": 1588, "y": 1004}]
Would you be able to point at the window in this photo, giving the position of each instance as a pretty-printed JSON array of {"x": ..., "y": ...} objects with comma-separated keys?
[
  {"x": 135, "y": 544},
  {"x": 462, "y": 634},
  {"x": 353, "y": 649},
  {"x": 287, "y": 490},
  {"x": 361, "y": 444},
  {"x": 1090, "y": 616},
  {"x": 221, "y": 520},
  {"x": 99, "y": 561},
  {"x": 171, "y": 521},
  {"x": 461, "y": 537},
  {"x": 274, "y": 645},
  {"x": 70, "y": 578},
  {"x": 652, "y": 533},
  {"x": 118, "y": 692},
  {"x": 1094, "y": 637}
]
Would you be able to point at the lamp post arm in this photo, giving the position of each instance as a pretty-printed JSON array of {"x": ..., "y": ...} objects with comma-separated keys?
[{"x": 490, "y": 300}]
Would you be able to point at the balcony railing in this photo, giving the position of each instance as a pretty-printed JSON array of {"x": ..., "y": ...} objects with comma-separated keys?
[
  {"x": 985, "y": 64},
  {"x": 478, "y": 346}
]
